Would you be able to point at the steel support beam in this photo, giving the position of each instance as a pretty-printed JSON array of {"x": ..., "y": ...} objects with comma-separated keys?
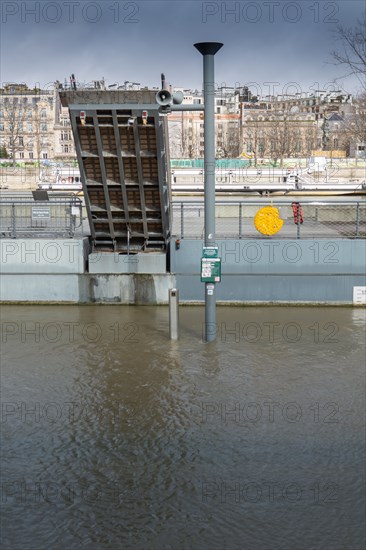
[
  {"x": 120, "y": 168},
  {"x": 187, "y": 107},
  {"x": 104, "y": 176},
  {"x": 82, "y": 173}
]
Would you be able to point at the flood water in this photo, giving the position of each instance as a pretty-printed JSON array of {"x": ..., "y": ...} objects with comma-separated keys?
[{"x": 115, "y": 437}]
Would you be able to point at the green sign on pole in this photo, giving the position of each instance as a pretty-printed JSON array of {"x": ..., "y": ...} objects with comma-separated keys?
[
  {"x": 210, "y": 265},
  {"x": 210, "y": 252}
]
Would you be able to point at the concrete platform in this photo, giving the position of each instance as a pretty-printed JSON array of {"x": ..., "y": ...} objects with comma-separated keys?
[
  {"x": 53, "y": 256},
  {"x": 144, "y": 263}
]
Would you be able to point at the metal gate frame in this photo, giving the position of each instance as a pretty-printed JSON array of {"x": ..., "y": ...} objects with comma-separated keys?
[{"x": 133, "y": 230}]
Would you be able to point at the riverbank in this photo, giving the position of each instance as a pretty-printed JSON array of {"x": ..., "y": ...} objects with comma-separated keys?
[{"x": 27, "y": 179}]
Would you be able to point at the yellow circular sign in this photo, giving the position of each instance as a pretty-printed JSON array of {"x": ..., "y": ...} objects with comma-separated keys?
[{"x": 267, "y": 220}]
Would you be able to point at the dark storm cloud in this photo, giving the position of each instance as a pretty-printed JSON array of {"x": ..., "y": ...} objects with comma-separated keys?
[{"x": 265, "y": 41}]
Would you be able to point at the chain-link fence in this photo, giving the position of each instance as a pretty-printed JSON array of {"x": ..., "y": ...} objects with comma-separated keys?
[
  {"x": 302, "y": 219},
  {"x": 23, "y": 217}
]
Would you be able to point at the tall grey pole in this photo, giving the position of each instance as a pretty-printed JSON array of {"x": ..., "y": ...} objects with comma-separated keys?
[{"x": 208, "y": 50}]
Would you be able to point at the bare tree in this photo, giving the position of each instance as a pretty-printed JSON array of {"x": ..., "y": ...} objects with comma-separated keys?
[
  {"x": 310, "y": 139},
  {"x": 175, "y": 138},
  {"x": 186, "y": 143},
  {"x": 253, "y": 135},
  {"x": 190, "y": 143},
  {"x": 352, "y": 53},
  {"x": 14, "y": 119},
  {"x": 283, "y": 139},
  {"x": 354, "y": 124},
  {"x": 37, "y": 131},
  {"x": 231, "y": 142},
  {"x": 357, "y": 119},
  {"x": 40, "y": 134},
  {"x": 183, "y": 139}
]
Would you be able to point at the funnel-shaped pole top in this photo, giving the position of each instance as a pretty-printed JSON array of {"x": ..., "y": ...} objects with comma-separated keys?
[{"x": 208, "y": 48}]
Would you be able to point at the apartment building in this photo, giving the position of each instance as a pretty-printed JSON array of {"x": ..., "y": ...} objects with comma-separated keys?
[
  {"x": 290, "y": 126},
  {"x": 254, "y": 127},
  {"x": 186, "y": 128},
  {"x": 34, "y": 126},
  {"x": 27, "y": 118},
  {"x": 64, "y": 150}
]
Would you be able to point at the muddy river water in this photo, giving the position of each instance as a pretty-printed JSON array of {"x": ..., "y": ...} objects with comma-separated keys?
[{"x": 115, "y": 437}]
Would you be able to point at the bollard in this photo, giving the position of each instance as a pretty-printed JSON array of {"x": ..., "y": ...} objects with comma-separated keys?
[{"x": 173, "y": 313}]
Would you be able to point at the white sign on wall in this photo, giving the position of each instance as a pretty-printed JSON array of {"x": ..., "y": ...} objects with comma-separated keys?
[
  {"x": 41, "y": 213},
  {"x": 359, "y": 295}
]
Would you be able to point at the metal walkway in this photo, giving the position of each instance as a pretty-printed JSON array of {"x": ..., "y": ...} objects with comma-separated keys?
[
  {"x": 124, "y": 166},
  {"x": 329, "y": 218}
]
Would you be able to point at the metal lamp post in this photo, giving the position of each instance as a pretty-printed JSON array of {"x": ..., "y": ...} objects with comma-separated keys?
[
  {"x": 208, "y": 50},
  {"x": 170, "y": 103}
]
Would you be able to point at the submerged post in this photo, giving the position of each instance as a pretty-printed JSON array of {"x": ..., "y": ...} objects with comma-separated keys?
[
  {"x": 208, "y": 50},
  {"x": 173, "y": 313}
]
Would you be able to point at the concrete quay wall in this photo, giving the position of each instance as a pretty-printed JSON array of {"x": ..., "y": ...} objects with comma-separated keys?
[
  {"x": 271, "y": 271},
  {"x": 254, "y": 271},
  {"x": 64, "y": 271}
]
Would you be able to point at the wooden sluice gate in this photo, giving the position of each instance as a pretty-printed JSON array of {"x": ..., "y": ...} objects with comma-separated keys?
[{"x": 122, "y": 149}]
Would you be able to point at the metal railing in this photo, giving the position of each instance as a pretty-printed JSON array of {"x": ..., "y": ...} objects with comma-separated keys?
[
  {"x": 22, "y": 217},
  {"x": 235, "y": 219}
]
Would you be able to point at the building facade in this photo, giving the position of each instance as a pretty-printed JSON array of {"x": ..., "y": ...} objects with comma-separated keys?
[
  {"x": 27, "y": 118},
  {"x": 35, "y": 127},
  {"x": 294, "y": 126},
  {"x": 269, "y": 127},
  {"x": 186, "y": 128}
]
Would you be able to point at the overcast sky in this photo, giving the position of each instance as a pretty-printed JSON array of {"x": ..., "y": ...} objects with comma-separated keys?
[{"x": 270, "y": 43}]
